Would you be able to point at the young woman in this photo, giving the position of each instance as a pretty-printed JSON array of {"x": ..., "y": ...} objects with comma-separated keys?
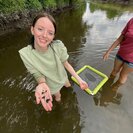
[
  {"x": 46, "y": 59},
  {"x": 124, "y": 58}
]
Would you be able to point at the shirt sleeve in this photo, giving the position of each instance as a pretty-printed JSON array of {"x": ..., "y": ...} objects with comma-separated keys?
[
  {"x": 36, "y": 74},
  {"x": 124, "y": 31},
  {"x": 61, "y": 51}
]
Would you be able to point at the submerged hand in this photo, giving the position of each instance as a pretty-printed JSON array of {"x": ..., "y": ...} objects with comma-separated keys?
[{"x": 43, "y": 95}]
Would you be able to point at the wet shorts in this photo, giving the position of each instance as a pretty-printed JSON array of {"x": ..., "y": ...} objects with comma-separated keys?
[{"x": 130, "y": 64}]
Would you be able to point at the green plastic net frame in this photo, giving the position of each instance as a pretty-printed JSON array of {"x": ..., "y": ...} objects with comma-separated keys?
[{"x": 93, "y": 77}]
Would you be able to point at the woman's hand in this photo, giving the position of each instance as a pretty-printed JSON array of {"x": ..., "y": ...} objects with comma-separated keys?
[
  {"x": 44, "y": 96},
  {"x": 106, "y": 56},
  {"x": 83, "y": 85}
]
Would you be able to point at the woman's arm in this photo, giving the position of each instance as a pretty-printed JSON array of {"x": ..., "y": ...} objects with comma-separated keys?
[
  {"x": 113, "y": 46},
  {"x": 83, "y": 84},
  {"x": 42, "y": 91}
]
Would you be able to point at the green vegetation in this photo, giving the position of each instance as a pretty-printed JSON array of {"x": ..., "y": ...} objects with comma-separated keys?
[
  {"x": 111, "y": 5},
  {"x": 9, "y": 6}
]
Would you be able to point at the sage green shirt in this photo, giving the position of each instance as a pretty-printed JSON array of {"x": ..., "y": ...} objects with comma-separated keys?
[{"x": 47, "y": 64}]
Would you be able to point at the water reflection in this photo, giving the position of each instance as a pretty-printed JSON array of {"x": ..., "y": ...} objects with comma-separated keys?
[
  {"x": 110, "y": 12},
  {"x": 103, "y": 27},
  {"x": 107, "y": 95},
  {"x": 100, "y": 32},
  {"x": 86, "y": 14},
  {"x": 71, "y": 23}
]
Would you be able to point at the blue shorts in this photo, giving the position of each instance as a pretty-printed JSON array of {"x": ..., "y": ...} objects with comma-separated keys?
[{"x": 130, "y": 64}]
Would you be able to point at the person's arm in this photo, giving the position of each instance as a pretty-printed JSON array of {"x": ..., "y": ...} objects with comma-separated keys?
[
  {"x": 42, "y": 91},
  {"x": 113, "y": 46},
  {"x": 63, "y": 56},
  {"x": 82, "y": 83}
]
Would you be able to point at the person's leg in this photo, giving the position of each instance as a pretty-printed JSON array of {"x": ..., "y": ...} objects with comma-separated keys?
[
  {"x": 126, "y": 69},
  {"x": 124, "y": 73},
  {"x": 67, "y": 84},
  {"x": 117, "y": 67},
  {"x": 57, "y": 96}
]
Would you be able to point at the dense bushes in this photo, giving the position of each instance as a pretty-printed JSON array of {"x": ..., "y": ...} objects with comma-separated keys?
[{"x": 9, "y": 6}]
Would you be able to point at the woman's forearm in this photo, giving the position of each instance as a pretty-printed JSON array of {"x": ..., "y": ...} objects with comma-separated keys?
[
  {"x": 71, "y": 70},
  {"x": 116, "y": 43}
]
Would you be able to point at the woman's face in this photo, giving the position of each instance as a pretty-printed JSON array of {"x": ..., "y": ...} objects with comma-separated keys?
[{"x": 43, "y": 32}]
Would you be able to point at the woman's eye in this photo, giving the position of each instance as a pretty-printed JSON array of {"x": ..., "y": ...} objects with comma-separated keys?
[
  {"x": 51, "y": 33},
  {"x": 40, "y": 29}
]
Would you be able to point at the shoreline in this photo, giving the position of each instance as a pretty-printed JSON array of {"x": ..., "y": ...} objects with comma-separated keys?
[{"x": 22, "y": 19}]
